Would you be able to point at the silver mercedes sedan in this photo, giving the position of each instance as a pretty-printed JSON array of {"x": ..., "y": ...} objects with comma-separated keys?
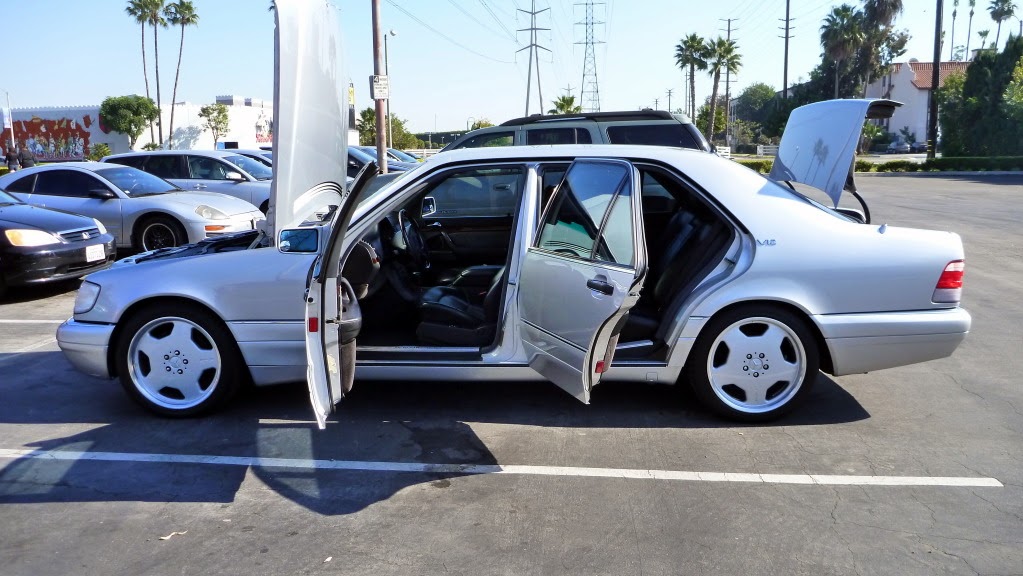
[
  {"x": 142, "y": 211},
  {"x": 572, "y": 264}
]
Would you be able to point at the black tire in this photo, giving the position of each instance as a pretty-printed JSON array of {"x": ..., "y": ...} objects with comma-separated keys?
[
  {"x": 168, "y": 374},
  {"x": 730, "y": 381},
  {"x": 155, "y": 232}
]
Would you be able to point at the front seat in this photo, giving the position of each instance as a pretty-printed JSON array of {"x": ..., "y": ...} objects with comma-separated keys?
[{"x": 448, "y": 318}]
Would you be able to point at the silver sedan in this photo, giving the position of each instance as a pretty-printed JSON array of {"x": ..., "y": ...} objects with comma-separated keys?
[{"x": 142, "y": 211}]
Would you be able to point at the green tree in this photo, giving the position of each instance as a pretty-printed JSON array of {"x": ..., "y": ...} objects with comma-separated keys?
[
  {"x": 181, "y": 13},
  {"x": 98, "y": 151},
  {"x": 137, "y": 9},
  {"x": 1001, "y": 10},
  {"x": 841, "y": 36},
  {"x": 565, "y": 105},
  {"x": 216, "y": 119},
  {"x": 366, "y": 125},
  {"x": 703, "y": 115},
  {"x": 949, "y": 98},
  {"x": 1012, "y": 100},
  {"x": 481, "y": 123},
  {"x": 691, "y": 53},
  {"x": 128, "y": 115},
  {"x": 153, "y": 13},
  {"x": 722, "y": 55},
  {"x": 952, "y": 34},
  {"x": 983, "y": 38},
  {"x": 754, "y": 102}
]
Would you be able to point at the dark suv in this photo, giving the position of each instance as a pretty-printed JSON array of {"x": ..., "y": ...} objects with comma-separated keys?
[{"x": 649, "y": 127}]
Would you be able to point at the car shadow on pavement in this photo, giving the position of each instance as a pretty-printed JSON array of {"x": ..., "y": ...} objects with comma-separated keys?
[
  {"x": 388, "y": 422},
  {"x": 19, "y": 294}
]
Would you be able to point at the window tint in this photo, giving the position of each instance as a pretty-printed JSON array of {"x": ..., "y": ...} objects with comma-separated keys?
[
  {"x": 543, "y": 136},
  {"x": 255, "y": 168},
  {"x": 573, "y": 224},
  {"x": 616, "y": 243},
  {"x": 207, "y": 168},
  {"x": 165, "y": 166},
  {"x": 66, "y": 183},
  {"x": 667, "y": 134},
  {"x": 550, "y": 178},
  {"x": 133, "y": 161},
  {"x": 23, "y": 184},
  {"x": 491, "y": 139},
  {"x": 478, "y": 192}
]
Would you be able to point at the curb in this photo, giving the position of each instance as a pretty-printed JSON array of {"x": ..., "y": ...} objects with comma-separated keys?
[{"x": 940, "y": 174}]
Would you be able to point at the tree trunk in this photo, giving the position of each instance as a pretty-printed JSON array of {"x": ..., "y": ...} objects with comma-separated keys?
[
  {"x": 159, "y": 105},
  {"x": 145, "y": 75},
  {"x": 998, "y": 35},
  {"x": 174, "y": 94},
  {"x": 952, "y": 39},
  {"x": 838, "y": 65},
  {"x": 692, "y": 92},
  {"x": 969, "y": 30},
  {"x": 713, "y": 106}
]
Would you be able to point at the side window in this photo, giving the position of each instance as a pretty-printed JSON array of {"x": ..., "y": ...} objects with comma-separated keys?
[
  {"x": 550, "y": 177},
  {"x": 491, "y": 139},
  {"x": 23, "y": 185},
  {"x": 591, "y": 217},
  {"x": 666, "y": 134},
  {"x": 165, "y": 166},
  {"x": 206, "y": 168},
  {"x": 543, "y": 136},
  {"x": 478, "y": 192},
  {"x": 66, "y": 183},
  {"x": 133, "y": 161}
]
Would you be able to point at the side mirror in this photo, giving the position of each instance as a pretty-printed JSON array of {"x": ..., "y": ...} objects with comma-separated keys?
[
  {"x": 299, "y": 241},
  {"x": 102, "y": 193},
  {"x": 235, "y": 176},
  {"x": 429, "y": 206}
]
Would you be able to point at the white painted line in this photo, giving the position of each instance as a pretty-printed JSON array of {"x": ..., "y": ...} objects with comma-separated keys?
[
  {"x": 31, "y": 321},
  {"x": 808, "y": 479}
]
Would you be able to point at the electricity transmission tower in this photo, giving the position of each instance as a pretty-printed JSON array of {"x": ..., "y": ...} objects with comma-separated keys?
[
  {"x": 533, "y": 47},
  {"x": 590, "y": 93}
]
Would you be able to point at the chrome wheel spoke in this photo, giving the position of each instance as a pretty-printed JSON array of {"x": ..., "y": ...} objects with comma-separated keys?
[
  {"x": 773, "y": 340},
  {"x": 784, "y": 371},
  {"x": 756, "y": 392}
]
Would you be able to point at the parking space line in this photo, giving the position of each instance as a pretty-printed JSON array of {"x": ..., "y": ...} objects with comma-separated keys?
[
  {"x": 31, "y": 321},
  {"x": 416, "y": 467}
]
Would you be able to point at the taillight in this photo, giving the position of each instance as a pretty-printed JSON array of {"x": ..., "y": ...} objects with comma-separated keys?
[
  {"x": 314, "y": 324},
  {"x": 949, "y": 288}
]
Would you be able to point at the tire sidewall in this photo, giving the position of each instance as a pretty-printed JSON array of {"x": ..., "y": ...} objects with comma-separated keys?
[
  {"x": 226, "y": 386},
  {"x": 696, "y": 364},
  {"x": 180, "y": 237}
]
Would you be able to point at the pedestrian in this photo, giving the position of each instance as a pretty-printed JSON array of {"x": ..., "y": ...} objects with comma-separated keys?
[
  {"x": 12, "y": 158},
  {"x": 26, "y": 158}
]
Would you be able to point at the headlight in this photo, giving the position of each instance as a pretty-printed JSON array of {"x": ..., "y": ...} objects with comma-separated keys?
[
  {"x": 86, "y": 297},
  {"x": 31, "y": 238},
  {"x": 209, "y": 213},
  {"x": 102, "y": 228}
]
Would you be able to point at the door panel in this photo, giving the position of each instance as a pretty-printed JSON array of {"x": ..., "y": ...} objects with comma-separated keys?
[
  {"x": 467, "y": 241},
  {"x": 69, "y": 190}
]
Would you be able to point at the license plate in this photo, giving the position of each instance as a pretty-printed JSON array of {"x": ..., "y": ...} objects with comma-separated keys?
[{"x": 94, "y": 253}]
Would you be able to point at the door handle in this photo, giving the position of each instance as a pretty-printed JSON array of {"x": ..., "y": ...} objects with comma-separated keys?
[
  {"x": 200, "y": 186},
  {"x": 600, "y": 286}
]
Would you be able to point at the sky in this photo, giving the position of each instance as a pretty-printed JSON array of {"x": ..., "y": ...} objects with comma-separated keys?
[{"x": 450, "y": 61}]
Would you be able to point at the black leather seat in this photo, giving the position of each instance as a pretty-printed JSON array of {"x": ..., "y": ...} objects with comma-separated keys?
[{"x": 449, "y": 318}]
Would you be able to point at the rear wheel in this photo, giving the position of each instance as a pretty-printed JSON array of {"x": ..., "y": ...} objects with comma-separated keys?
[
  {"x": 159, "y": 232},
  {"x": 754, "y": 363},
  {"x": 178, "y": 360}
]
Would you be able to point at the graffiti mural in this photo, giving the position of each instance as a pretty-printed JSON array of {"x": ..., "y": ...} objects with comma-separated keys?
[{"x": 55, "y": 140}]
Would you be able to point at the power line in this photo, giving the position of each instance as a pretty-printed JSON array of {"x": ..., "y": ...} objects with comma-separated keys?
[
  {"x": 499, "y": 21},
  {"x": 476, "y": 20},
  {"x": 444, "y": 36}
]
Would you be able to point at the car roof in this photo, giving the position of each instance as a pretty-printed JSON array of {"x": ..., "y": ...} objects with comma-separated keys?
[
  {"x": 623, "y": 116},
  {"x": 90, "y": 166},
  {"x": 212, "y": 153}
]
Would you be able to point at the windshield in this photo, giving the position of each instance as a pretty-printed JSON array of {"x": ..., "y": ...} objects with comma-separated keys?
[
  {"x": 257, "y": 169},
  {"x": 402, "y": 156},
  {"x": 361, "y": 155},
  {"x": 135, "y": 182}
]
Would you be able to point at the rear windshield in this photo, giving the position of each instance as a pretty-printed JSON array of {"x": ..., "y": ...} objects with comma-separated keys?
[
  {"x": 667, "y": 134},
  {"x": 135, "y": 182}
]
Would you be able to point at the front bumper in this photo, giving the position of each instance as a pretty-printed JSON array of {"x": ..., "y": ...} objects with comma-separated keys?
[
  {"x": 87, "y": 346},
  {"x": 32, "y": 265},
  {"x": 238, "y": 223}
]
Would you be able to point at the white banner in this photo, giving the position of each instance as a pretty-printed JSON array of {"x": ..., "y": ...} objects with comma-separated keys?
[{"x": 5, "y": 115}]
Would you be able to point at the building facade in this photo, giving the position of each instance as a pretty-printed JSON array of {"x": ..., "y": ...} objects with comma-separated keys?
[{"x": 910, "y": 84}]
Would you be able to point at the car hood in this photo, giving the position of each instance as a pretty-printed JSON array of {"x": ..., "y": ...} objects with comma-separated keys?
[
  {"x": 310, "y": 154},
  {"x": 27, "y": 216},
  {"x": 227, "y": 204},
  {"x": 818, "y": 146}
]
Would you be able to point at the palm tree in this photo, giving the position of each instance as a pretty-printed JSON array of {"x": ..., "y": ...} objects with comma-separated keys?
[
  {"x": 721, "y": 55},
  {"x": 153, "y": 13},
  {"x": 840, "y": 36},
  {"x": 1000, "y": 10},
  {"x": 565, "y": 105},
  {"x": 181, "y": 13},
  {"x": 883, "y": 12},
  {"x": 137, "y": 10},
  {"x": 969, "y": 28},
  {"x": 983, "y": 37},
  {"x": 691, "y": 53},
  {"x": 952, "y": 35}
]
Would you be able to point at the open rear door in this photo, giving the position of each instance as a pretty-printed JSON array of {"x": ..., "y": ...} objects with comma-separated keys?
[{"x": 583, "y": 273}]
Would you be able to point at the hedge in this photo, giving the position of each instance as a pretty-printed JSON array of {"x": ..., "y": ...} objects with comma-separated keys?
[{"x": 964, "y": 164}]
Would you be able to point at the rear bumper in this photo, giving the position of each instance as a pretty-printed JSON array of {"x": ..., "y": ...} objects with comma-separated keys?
[
  {"x": 865, "y": 342},
  {"x": 86, "y": 346},
  {"x": 34, "y": 265}
]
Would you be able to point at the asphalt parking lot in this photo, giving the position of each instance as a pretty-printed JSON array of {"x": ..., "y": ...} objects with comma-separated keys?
[{"x": 916, "y": 470}]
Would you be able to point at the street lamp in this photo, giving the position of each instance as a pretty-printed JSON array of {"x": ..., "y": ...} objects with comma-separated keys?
[{"x": 390, "y": 127}]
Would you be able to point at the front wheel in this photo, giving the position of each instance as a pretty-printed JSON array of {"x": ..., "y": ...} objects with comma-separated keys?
[
  {"x": 753, "y": 363},
  {"x": 159, "y": 232},
  {"x": 177, "y": 360}
]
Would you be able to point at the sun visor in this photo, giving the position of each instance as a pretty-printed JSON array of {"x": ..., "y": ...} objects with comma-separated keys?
[
  {"x": 310, "y": 121},
  {"x": 818, "y": 146}
]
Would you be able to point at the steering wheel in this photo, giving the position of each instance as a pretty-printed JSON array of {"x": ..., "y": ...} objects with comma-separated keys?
[{"x": 415, "y": 244}]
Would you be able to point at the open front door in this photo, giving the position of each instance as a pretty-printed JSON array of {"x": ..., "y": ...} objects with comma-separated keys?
[{"x": 583, "y": 273}]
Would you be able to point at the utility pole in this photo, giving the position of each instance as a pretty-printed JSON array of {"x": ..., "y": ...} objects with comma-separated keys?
[
  {"x": 590, "y": 92},
  {"x": 533, "y": 46},
  {"x": 932, "y": 102},
  {"x": 378, "y": 67},
  {"x": 728, "y": 87},
  {"x": 788, "y": 35},
  {"x": 655, "y": 104},
  {"x": 669, "y": 100}
]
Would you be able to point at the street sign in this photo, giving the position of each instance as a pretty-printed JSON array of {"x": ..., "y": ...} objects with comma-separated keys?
[{"x": 379, "y": 87}]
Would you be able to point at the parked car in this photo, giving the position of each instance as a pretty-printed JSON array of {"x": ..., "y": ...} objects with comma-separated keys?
[
  {"x": 40, "y": 245},
  {"x": 223, "y": 171},
  {"x": 918, "y": 147},
  {"x": 899, "y": 147},
  {"x": 358, "y": 157},
  {"x": 265, "y": 157},
  {"x": 403, "y": 156},
  {"x": 650, "y": 127},
  {"x": 142, "y": 211}
]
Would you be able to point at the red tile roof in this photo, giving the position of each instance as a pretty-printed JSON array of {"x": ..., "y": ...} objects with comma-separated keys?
[{"x": 923, "y": 72}]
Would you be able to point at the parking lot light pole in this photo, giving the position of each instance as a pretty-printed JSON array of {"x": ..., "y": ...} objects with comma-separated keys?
[
  {"x": 378, "y": 67},
  {"x": 387, "y": 72}
]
